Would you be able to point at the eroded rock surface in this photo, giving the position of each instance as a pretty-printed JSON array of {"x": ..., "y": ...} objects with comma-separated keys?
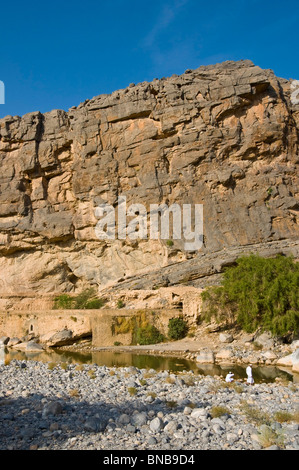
[{"x": 225, "y": 136}]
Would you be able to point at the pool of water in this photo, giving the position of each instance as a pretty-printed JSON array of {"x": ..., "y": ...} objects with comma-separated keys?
[
  {"x": 147, "y": 361},
  {"x": 260, "y": 373}
]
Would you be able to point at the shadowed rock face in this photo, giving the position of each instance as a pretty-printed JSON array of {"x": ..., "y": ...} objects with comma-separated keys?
[{"x": 225, "y": 136}]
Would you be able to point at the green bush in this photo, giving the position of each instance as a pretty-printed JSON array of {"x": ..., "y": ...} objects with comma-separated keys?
[
  {"x": 148, "y": 334},
  {"x": 63, "y": 301},
  {"x": 95, "y": 303},
  {"x": 256, "y": 293},
  {"x": 85, "y": 300},
  {"x": 177, "y": 328}
]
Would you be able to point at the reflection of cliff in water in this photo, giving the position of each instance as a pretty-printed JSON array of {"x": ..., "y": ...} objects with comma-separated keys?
[
  {"x": 105, "y": 358},
  {"x": 143, "y": 361},
  {"x": 47, "y": 356}
]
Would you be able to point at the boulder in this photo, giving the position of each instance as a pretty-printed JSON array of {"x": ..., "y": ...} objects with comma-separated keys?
[
  {"x": 270, "y": 356},
  {"x": 124, "y": 419},
  {"x": 171, "y": 427},
  {"x": 52, "y": 408},
  {"x": 225, "y": 355},
  {"x": 252, "y": 359},
  {"x": 156, "y": 425},
  {"x": 61, "y": 338},
  {"x": 226, "y": 338},
  {"x": 199, "y": 413},
  {"x": 205, "y": 357},
  {"x": 265, "y": 340},
  {"x": 95, "y": 424},
  {"x": 247, "y": 338},
  {"x": 139, "y": 419},
  {"x": 291, "y": 360},
  {"x": 32, "y": 346},
  {"x": 29, "y": 346}
]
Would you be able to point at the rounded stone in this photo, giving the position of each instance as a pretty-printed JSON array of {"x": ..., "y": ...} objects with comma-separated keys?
[{"x": 156, "y": 425}]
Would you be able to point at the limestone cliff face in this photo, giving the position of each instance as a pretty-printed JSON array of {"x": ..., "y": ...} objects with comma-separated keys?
[{"x": 225, "y": 136}]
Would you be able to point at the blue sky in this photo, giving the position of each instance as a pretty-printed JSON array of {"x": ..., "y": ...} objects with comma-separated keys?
[{"x": 54, "y": 55}]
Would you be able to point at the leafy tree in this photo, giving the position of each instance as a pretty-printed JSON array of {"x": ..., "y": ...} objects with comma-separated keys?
[{"x": 257, "y": 293}]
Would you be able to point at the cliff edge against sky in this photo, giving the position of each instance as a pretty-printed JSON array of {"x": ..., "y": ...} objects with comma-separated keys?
[{"x": 225, "y": 136}]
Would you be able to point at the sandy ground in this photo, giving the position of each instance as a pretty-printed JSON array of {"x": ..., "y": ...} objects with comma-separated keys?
[
  {"x": 184, "y": 345},
  {"x": 203, "y": 340}
]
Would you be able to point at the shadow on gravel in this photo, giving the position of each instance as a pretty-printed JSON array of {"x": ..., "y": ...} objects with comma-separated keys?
[{"x": 36, "y": 421}]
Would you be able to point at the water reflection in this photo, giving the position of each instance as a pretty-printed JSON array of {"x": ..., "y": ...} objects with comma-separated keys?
[
  {"x": 105, "y": 358},
  {"x": 260, "y": 373},
  {"x": 143, "y": 361}
]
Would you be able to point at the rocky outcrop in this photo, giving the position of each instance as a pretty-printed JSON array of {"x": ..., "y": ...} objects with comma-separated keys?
[
  {"x": 225, "y": 136},
  {"x": 291, "y": 360}
]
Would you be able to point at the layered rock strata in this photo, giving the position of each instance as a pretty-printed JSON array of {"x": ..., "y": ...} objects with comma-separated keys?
[{"x": 225, "y": 136}]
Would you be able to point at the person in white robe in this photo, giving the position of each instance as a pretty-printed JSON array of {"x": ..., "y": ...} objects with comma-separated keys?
[
  {"x": 229, "y": 377},
  {"x": 250, "y": 379}
]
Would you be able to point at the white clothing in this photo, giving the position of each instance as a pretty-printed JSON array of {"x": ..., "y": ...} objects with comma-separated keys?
[
  {"x": 229, "y": 377},
  {"x": 249, "y": 375}
]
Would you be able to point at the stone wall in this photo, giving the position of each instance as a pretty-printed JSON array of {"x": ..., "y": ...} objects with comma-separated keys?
[
  {"x": 45, "y": 324},
  {"x": 110, "y": 326},
  {"x": 185, "y": 298},
  {"x": 106, "y": 326}
]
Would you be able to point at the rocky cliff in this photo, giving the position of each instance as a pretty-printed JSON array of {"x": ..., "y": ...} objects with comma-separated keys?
[{"x": 225, "y": 136}]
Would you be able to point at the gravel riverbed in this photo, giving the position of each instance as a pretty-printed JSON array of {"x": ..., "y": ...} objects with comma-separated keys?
[{"x": 89, "y": 407}]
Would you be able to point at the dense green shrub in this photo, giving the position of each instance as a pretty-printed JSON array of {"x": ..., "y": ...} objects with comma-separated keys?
[
  {"x": 63, "y": 301},
  {"x": 177, "y": 328},
  {"x": 94, "y": 304},
  {"x": 256, "y": 293},
  {"x": 148, "y": 334},
  {"x": 85, "y": 300}
]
